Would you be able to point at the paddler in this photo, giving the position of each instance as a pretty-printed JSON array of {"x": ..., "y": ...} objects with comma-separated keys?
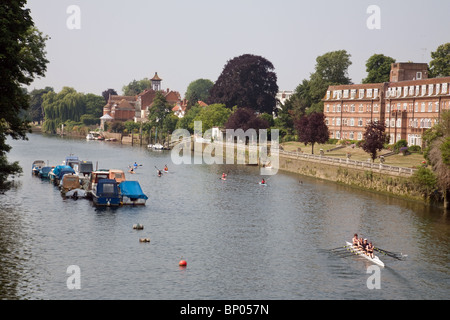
[
  {"x": 165, "y": 168},
  {"x": 224, "y": 175},
  {"x": 159, "y": 173},
  {"x": 263, "y": 181}
]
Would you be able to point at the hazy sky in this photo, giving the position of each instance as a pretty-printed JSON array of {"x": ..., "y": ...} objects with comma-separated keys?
[{"x": 119, "y": 41}]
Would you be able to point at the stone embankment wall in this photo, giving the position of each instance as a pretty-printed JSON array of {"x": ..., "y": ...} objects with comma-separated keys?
[{"x": 372, "y": 179}]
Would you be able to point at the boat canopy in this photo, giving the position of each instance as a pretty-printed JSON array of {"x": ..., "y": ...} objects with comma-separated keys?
[
  {"x": 60, "y": 170},
  {"x": 46, "y": 169},
  {"x": 132, "y": 189},
  {"x": 70, "y": 182},
  {"x": 107, "y": 187}
]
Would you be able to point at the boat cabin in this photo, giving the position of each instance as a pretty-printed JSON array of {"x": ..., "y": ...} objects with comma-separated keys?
[
  {"x": 96, "y": 176},
  {"x": 83, "y": 168},
  {"x": 117, "y": 175}
]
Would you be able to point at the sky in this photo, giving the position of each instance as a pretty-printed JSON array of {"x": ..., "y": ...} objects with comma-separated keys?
[{"x": 109, "y": 43}]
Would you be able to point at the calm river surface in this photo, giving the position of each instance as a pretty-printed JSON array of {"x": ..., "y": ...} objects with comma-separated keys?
[{"x": 240, "y": 240}]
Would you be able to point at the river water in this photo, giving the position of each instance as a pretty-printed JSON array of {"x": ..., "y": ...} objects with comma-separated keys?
[{"x": 241, "y": 240}]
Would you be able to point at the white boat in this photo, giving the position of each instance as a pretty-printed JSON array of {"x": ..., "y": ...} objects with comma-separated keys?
[
  {"x": 359, "y": 252},
  {"x": 158, "y": 146}
]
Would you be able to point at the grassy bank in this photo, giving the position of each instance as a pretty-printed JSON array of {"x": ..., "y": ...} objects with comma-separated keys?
[{"x": 413, "y": 160}]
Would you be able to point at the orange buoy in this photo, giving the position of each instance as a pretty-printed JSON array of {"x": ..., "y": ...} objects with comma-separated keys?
[{"x": 182, "y": 263}]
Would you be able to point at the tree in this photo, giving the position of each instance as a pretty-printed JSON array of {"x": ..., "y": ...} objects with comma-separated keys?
[
  {"x": 246, "y": 118},
  {"x": 198, "y": 90},
  {"x": 374, "y": 138},
  {"x": 94, "y": 104},
  {"x": 68, "y": 104},
  {"x": 301, "y": 100},
  {"x": 246, "y": 81},
  {"x": 22, "y": 59},
  {"x": 36, "y": 111},
  {"x": 312, "y": 129},
  {"x": 440, "y": 65},
  {"x": 378, "y": 68},
  {"x": 107, "y": 93},
  {"x": 437, "y": 151},
  {"x": 331, "y": 69},
  {"x": 136, "y": 87},
  {"x": 187, "y": 122},
  {"x": 159, "y": 110},
  {"x": 213, "y": 115}
]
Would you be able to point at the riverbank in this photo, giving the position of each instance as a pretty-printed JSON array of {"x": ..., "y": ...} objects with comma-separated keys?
[{"x": 392, "y": 182}]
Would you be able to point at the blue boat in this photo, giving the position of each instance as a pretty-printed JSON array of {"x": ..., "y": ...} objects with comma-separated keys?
[
  {"x": 44, "y": 172},
  {"x": 131, "y": 193},
  {"x": 106, "y": 193},
  {"x": 57, "y": 173}
]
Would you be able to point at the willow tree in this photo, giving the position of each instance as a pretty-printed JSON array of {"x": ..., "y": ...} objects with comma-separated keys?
[
  {"x": 68, "y": 104},
  {"x": 22, "y": 59}
]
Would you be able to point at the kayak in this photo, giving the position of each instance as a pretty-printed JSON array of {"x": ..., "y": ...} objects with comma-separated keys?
[{"x": 263, "y": 184}]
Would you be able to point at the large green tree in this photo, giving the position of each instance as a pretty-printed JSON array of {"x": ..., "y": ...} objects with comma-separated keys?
[
  {"x": 214, "y": 115},
  {"x": 22, "y": 59},
  {"x": 331, "y": 69},
  {"x": 440, "y": 63},
  {"x": 378, "y": 68},
  {"x": 68, "y": 104},
  {"x": 198, "y": 90},
  {"x": 36, "y": 111},
  {"x": 246, "y": 81},
  {"x": 136, "y": 87}
]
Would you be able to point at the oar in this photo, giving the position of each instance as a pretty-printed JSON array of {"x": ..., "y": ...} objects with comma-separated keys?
[
  {"x": 395, "y": 255},
  {"x": 341, "y": 248}
]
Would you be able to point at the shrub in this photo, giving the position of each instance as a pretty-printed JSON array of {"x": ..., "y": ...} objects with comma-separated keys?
[
  {"x": 425, "y": 181},
  {"x": 414, "y": 149},
  {"x": 399, "y": 144}
]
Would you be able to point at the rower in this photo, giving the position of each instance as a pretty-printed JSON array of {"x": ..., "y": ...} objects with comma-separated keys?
[
  {"x": 355, "y": 239},
  {"x": 360, "y": 243},
  {"x": 364, "y": 246},
  {"x": 369, "y": 249}
]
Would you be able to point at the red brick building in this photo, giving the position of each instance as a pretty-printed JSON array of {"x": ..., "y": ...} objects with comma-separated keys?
[
  {"x": 409, "y": 104},
  {"x": 124, "y": 108}
]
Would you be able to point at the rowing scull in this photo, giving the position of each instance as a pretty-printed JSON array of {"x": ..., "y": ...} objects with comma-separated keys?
[{"x": 360, "y": 252}]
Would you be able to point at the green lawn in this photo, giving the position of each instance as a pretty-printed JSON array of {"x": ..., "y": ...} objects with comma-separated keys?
[{"x": 411, "y": 161}]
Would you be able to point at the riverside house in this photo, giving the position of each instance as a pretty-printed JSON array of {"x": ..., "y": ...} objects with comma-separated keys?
[{"x": 409, "y": 104}]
